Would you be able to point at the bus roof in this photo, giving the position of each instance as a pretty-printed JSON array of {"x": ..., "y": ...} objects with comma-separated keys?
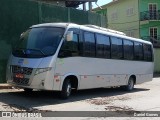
[{"x": 92, "y": 28}]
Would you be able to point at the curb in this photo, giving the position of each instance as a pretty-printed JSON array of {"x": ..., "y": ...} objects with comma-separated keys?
[{"x": 5, "y": 86}]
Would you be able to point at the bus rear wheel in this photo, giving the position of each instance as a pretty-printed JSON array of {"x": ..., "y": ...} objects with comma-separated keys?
[
  {"x": 66, "y": 89},
  {"x": 130, "y": 85}
]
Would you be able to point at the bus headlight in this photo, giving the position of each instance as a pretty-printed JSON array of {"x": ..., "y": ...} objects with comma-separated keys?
[{"x": 41, "y": 70}]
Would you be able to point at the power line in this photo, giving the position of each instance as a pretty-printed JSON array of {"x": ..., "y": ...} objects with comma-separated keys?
[{"x": 158, "y": 25}]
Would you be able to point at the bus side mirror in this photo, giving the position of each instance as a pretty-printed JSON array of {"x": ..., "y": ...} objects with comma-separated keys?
[
  {"x": 69, "y": 36},
  {"x": 22, "y": 34},
  {"x": 61, "y": 54}
]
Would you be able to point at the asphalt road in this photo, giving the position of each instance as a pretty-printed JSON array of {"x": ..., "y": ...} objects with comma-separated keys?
[{"x": 145, "y": 97}]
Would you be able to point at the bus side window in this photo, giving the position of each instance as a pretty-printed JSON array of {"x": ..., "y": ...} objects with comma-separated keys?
[
  {"x": 117, "y": 48},
  {"x": 70, "y": 48},
  {"x": 128, "y": 47},
  {"x": 74, "y": 45},
  {"x": 147, "y": 52},
  {"x": 138, "y": 51},
  {"x": 103, "y": 46},
  {"x": 89, "y": 44}
]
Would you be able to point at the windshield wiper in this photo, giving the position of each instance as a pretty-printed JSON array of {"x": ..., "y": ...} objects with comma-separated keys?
[
  {"x": 24, "y": 52},
  {"x": 37, "y": 50}
]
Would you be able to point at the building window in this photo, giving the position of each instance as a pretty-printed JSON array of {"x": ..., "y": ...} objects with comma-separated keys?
[
  {"x": 130, "y": 11},
  {"x": 153, "y": 33},
  {"x": 131, "y": 33},
  {"x": 152, "y": 11},
  {"x": 114, "y": 16}
]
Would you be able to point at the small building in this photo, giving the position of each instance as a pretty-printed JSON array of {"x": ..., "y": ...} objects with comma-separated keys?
[
  {"x": 70, "y": 3},
  {"x": 136, "y": 18}
]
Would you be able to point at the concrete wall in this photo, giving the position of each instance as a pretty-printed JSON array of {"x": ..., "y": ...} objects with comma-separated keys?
[
  {"x": 157, "y": 60},
  {"x": 15, "y": 17}
]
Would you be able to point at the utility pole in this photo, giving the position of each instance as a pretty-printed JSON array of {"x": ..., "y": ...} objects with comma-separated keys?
[
  {"x": 84, "y": 6},
  {"x": 90, "y": 6}
]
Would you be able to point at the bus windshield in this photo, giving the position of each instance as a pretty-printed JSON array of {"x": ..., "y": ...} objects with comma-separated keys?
[{"x": 38, "y": 42}]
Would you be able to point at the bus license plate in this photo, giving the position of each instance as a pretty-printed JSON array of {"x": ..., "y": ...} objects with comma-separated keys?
[{"x": 19, "y": 76}]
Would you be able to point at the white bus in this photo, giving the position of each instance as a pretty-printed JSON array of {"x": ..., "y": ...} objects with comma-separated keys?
[{"x": 66, "y": 56}]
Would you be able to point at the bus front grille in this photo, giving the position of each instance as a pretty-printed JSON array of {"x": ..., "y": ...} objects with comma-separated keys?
[
  {"x": 22, "y": 70},
  {"x": 21, "y": 81}
]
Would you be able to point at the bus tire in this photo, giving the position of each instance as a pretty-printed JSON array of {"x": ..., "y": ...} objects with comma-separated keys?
[
  {"x": 130, "y": 85},
  {"x": 27, "y": 90},
  {"x": 66, "y": 89}
]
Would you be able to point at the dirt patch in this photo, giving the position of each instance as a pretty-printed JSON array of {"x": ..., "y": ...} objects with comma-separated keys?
[
  {"x": 116, "y": 108},
  {"x": 99, "y": 101},
  {"x": 106, "y": 100},
  {"x": 120, "y": 111}
]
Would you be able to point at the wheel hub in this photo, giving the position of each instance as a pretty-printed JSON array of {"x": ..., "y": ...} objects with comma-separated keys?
[{"x": 68, "y": 89}]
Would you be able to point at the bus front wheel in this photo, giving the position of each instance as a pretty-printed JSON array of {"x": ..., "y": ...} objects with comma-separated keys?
[
  {"x": 27, "y": 90},
  {"x": 66, "y": 89}
]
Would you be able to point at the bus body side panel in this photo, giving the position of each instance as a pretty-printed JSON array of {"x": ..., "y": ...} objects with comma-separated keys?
[
  {"x": 143, "y": 78},
  {"x": 95, "y": 72}
]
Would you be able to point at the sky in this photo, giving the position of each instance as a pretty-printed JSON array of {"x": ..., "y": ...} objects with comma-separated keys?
[{"x": 99, "y": 2}]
